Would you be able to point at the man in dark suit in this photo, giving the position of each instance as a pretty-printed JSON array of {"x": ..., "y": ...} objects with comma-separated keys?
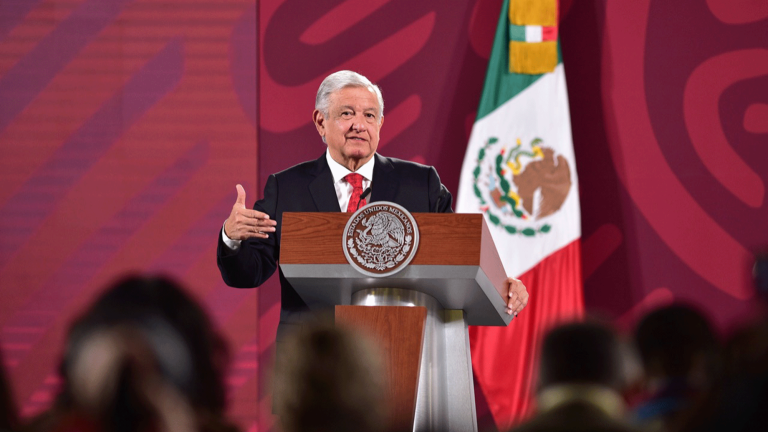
[{"x": 348, "y": 116}]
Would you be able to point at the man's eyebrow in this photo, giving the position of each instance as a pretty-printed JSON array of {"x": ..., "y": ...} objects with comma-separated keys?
[{"x": 350, "y": 107}]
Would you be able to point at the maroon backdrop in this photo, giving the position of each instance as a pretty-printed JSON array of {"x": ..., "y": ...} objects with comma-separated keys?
[{"x": 125, "y": 124}]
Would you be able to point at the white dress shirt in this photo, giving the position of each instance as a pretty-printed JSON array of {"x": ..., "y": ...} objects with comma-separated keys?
[{"x": 343, "y": 189}]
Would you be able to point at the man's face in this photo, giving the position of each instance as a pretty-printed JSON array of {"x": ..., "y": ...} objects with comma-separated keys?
[{"x": 352, "y": 126}]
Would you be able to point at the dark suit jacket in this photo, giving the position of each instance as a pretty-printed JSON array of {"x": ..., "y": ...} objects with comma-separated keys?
[{"x": 308, "y": 187}]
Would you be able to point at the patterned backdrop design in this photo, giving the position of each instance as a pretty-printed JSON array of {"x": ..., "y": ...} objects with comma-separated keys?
[
  {"x": 124, "y": 127},
  {"x": 669, "y": 124},
  {"x": 667, "y": 106},
  {"x": 125, "y": 124}
]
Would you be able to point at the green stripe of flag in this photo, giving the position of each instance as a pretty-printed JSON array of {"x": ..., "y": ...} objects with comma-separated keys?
[
  {"x": 517, "y": 33},
  {"x": 500, "y": 84}
]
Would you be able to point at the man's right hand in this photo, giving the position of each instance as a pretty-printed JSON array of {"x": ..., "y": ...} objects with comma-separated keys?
[{"x": 244, "y": 223}]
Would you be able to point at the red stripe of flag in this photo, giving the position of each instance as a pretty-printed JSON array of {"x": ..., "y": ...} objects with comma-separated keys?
[{"x": 549, "y": 33}]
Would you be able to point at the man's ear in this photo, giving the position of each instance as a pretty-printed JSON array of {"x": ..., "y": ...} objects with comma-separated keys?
[{"x": 319, "y": 119}]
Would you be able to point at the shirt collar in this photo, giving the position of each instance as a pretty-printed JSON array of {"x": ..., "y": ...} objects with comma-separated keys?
[{"x": 338, "y": 171}]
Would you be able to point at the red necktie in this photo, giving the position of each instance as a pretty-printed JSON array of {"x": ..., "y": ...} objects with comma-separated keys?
[{"x": 356, "y": 180}]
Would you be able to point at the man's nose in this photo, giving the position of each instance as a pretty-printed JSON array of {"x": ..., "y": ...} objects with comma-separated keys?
[{"x": 359, "y": 124}]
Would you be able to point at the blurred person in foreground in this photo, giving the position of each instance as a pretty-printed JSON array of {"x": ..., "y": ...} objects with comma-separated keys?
[
  {"x": 9, "y": 420},
  {"x": 143, "y": 357},
  {"x": 582, "y": 373},
  {"x": 738, "y": 401},
  {"x": 680, "y": 354},
  {"x": 330, "y": 380}
]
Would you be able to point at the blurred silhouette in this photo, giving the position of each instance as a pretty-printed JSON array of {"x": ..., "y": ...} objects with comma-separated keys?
[
  {"x": 680, "y": 352},
  {"x": 738, "y": 401},
  {"x": 8, "y": 416},
  {"x": 582, "y": 373},
  {"x": 143, "y": 357},
  {"x": 329, "y": 380}
]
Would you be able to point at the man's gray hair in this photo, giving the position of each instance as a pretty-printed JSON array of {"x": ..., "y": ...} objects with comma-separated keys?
[{"x": 339, "y": 80}]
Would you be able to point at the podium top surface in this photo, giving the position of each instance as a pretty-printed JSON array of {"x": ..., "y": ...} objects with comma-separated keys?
[
  {"x": 446, "y": 238},
  {"x": 456, "y": 262}
]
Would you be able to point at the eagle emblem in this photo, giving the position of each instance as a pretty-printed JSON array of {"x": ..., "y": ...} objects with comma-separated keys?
[
  {"x": 519, "y": 186},
  {"x": 380, "y": 239}
]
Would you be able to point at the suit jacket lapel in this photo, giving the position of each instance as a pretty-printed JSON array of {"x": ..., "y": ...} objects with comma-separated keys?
[
  {"x": 321, "y": 188},
  {"x": 384, "y": 184}
]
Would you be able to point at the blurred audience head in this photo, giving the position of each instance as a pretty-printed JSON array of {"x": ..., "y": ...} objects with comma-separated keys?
[
  {"x": 8, "y": 415},
  {"x": 159, "y": 307},
  {"x": 587, "y": 353},
  {"x": 739, "y": 397},
  {"x": 678, "y": 342},
  {"x": 329, "y": 379},
  {"x": 144, "y": 356},
  {"x": 738, "y": 400},
  {"x": 746, "y": 352},
  {"x": 582, "y": 373},
  {"x": 680, "y": 354}
]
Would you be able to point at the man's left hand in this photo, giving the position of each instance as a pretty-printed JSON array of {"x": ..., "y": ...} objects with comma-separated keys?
[{"x": 517, "y": 296}]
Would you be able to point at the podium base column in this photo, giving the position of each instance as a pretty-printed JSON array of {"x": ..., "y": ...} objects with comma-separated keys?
[{"x": 445, "y": 398}]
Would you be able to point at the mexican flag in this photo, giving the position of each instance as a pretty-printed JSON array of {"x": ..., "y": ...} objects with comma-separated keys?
[{"x": 519, "y": 170}]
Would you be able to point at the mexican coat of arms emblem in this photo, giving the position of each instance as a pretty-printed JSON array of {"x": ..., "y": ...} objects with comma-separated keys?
[
  {"x": 518, "y": 186},
  {"x": 380, "y": 239}
]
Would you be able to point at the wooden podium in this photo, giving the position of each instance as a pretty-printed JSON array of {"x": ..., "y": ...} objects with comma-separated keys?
[{"x": 418, "y": 316}]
